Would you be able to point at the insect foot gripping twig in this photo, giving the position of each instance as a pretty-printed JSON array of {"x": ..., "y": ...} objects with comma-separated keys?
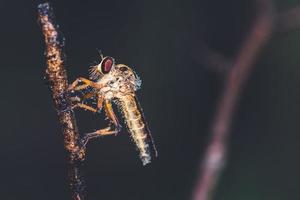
[{"x": 57, "y": 78}]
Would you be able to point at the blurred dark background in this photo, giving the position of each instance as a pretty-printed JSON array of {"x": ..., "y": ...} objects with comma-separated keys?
[{"x": 162, "y": 40}]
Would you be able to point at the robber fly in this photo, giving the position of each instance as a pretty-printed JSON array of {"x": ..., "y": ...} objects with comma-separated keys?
[{"x": 116, "y": 83}]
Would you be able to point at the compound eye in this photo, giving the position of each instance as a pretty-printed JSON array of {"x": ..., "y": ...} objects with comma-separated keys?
[{"x": 107, "y": 64}]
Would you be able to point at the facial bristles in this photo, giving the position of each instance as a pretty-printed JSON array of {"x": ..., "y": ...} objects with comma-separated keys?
[{"x": 94, "y": 72}]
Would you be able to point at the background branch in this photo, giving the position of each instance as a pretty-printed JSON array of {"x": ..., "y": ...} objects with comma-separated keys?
[
  {"x": 284, "y": 21},
  {"x": 57, "y": 77},
  {"x": 288, "y": 20},
  {"x": 215, "y": 155}
]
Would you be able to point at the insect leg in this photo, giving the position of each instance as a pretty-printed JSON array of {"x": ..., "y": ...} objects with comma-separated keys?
[
  {"x": 101, "y": 132},
  {"x": 105, "y": 131},
  {"x": 100, "y": 102},
  {"x": 78, "y": 102},
  {"x": 89, "y": 95},
  {"x": 86, "y": 83},
  {"x": 84, "y": 106},
  {"x": 77, "y": 99},
  {"x": 111, "y": 115},
  {"x": 98, "y": 133}
]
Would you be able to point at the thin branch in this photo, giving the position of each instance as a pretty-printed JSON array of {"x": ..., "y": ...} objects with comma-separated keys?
[
  {"x": 215, "y": 156},
  {"x": 284, "y": 21},
  {"x": 58, "y": 82}
]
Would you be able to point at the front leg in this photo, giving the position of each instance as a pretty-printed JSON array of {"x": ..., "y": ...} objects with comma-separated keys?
[
  {"x": 86, "y": 83},
  {"x": 78, "y": 102}
]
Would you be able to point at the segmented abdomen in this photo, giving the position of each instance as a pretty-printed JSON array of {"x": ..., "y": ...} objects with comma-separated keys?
[{"x": 137, "y": 127}]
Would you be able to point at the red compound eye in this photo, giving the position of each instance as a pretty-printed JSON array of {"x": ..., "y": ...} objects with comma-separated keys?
[{"x": 107, "y": 64}]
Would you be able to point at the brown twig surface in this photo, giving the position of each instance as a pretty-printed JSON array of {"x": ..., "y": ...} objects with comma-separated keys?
[
  {"x": 57, "y": 77},
  {"x": 215, "y": 155}
]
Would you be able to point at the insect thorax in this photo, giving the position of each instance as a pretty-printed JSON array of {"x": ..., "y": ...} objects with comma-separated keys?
[{"x": 121, "y": 81}]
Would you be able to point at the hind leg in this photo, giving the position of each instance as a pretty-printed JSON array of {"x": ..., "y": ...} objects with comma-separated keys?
[{"x": 112, "y": 129}]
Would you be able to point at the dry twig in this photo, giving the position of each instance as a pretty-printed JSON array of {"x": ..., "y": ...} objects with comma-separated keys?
[{"x": 57, "y": 77}]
